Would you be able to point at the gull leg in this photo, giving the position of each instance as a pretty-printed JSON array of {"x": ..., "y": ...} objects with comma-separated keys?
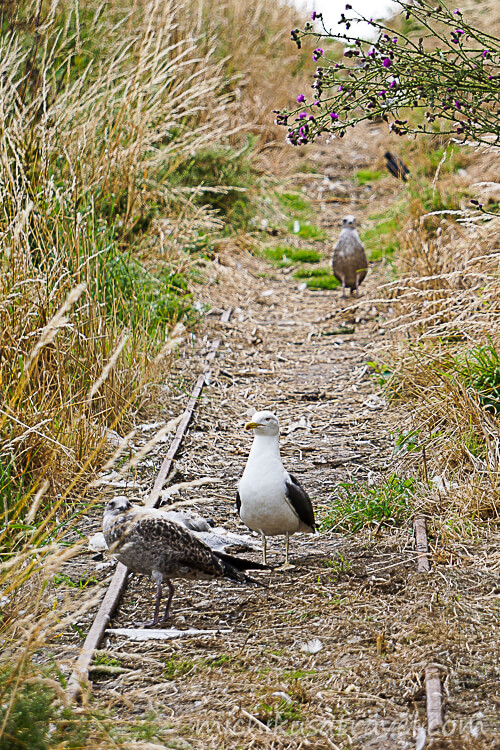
[
  {"x": 343, "y": 287},
  {"x": 169, "y": 600},
  {"x": 264, "y": 551},
  {"x": 287, "y": 565},
  {"x": 154, "y": 621}
]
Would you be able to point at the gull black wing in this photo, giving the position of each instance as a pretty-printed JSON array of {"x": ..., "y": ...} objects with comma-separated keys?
[
  {"x": 238, "y": 502},
  {"x": 300, "y": 501}
]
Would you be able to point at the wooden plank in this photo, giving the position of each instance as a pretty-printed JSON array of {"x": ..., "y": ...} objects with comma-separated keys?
[
  {"x": 420, "y": 530},
  {"x": 80, "y": 675},
  {"x": 434, "y": 699}
]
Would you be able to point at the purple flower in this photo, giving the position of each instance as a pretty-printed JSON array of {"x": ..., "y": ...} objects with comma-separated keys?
[
  {"x": 313, "y": 15},
  {"x": 318, "y": 52},
  {"x": 457, "y": 12},
  {"x": 334, "y": 116},
  {"x": 460, "y": 31},
  {"x": 348, "y": 7},
  {"x": 485, "y": 52},
  {"x": 395, "y": 40},
  {"x": 386, "y": 62},
  {"x": 317, "y": 103},
  {"x": 301, "y": 98},
  {"x": 340, "y": 88},
  {"x": 302, "y": 116}
]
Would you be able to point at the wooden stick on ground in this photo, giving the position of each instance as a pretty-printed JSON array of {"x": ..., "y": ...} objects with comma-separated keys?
[
  {"x": 434, "y": 696},
  {"x": 80, "y": 673},
  {"x": 420, "y": 530}
]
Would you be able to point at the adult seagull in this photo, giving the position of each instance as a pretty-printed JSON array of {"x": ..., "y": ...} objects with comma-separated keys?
[{"x": 269, "y": 499}]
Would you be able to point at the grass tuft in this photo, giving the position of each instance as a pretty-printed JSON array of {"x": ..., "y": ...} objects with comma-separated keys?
[
  {"x": 317, "y": 278},
  {"x": 366, "y": 176},
  {"x": 356, "y": 505},
  {"x": 286, "y": 255}
]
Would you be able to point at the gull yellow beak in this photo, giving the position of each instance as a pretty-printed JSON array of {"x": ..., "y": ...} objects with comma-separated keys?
[{"x": 251, "y": 425}]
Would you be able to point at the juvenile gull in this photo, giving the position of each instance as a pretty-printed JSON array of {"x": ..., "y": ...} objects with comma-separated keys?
[
  {"x": 146, "y": 541},
  {"x": 269, "y": 499},
  {"x": 349, "y": 262}
]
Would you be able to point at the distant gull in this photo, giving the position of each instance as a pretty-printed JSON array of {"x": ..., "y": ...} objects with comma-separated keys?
[
  {"x": 396, "y": 166},
  {"x": 269, "y": 499},
  {"x": 146, "y": 541},
  {"x": 349, "y": 262}
]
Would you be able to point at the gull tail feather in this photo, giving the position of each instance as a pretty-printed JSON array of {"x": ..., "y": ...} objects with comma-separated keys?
[{"x": 234, "y": 567}]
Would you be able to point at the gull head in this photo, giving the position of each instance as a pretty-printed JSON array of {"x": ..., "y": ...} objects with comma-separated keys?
[
  {"x": 349, "y": 222},
  {"x": 264, "y": 423},
  {"x": 117, "y": 505}
]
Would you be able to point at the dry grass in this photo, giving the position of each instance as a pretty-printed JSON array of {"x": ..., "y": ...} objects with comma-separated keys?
[
  {"x": 444, "y": 328},
  {"x": 102, "y": 106}
]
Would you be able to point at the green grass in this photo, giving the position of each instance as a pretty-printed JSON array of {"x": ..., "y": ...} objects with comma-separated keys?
[
  {"x": 300, "y": 212},
  {"x": 479, "y": 370},
  {"x": 27, "y": 725},
  {"x": 355, "y": 505},
  {"x": 226, "y": 181},
  {"x": 365, "y": 176},
  {"x": 217, "y": 661},
  {"x": 31, "y": 718},
  {"x": 307, "y": 230},
  {"x": 143, "y": 298},
  {"x": 296, "y": 204},
  {"x": 317, "y": 278},
  {"x": 285, "y": 255},
  {"x": 339, "y": 565},
  {"x": 102, "y": 658},
  {"x": 429, "y": 160},
  {"x": 381, "y": 240},
  {"x": 176, "y": 667},
  {"x": 274, "y": 712}
]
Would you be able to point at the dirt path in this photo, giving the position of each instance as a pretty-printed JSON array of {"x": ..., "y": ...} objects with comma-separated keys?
[{"x": 332, "y": 653}]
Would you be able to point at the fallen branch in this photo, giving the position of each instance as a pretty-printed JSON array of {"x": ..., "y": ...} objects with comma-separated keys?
[
  {"x": 434, "y": 696},
  {"x": 420, "y": 530}
]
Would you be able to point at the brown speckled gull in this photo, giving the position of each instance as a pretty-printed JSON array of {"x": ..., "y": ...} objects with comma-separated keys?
[
  {"x": 349, "y": 261},
  {"x": 147, "y": 541}
]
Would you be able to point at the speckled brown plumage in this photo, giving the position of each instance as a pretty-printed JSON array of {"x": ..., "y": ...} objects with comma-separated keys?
[
  {"x": 146, "y": 541},
  {"x": 349, "y": 261}
]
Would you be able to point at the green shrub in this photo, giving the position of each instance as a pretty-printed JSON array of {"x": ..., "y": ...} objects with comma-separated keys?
[{"x": 27, "y": 724}]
